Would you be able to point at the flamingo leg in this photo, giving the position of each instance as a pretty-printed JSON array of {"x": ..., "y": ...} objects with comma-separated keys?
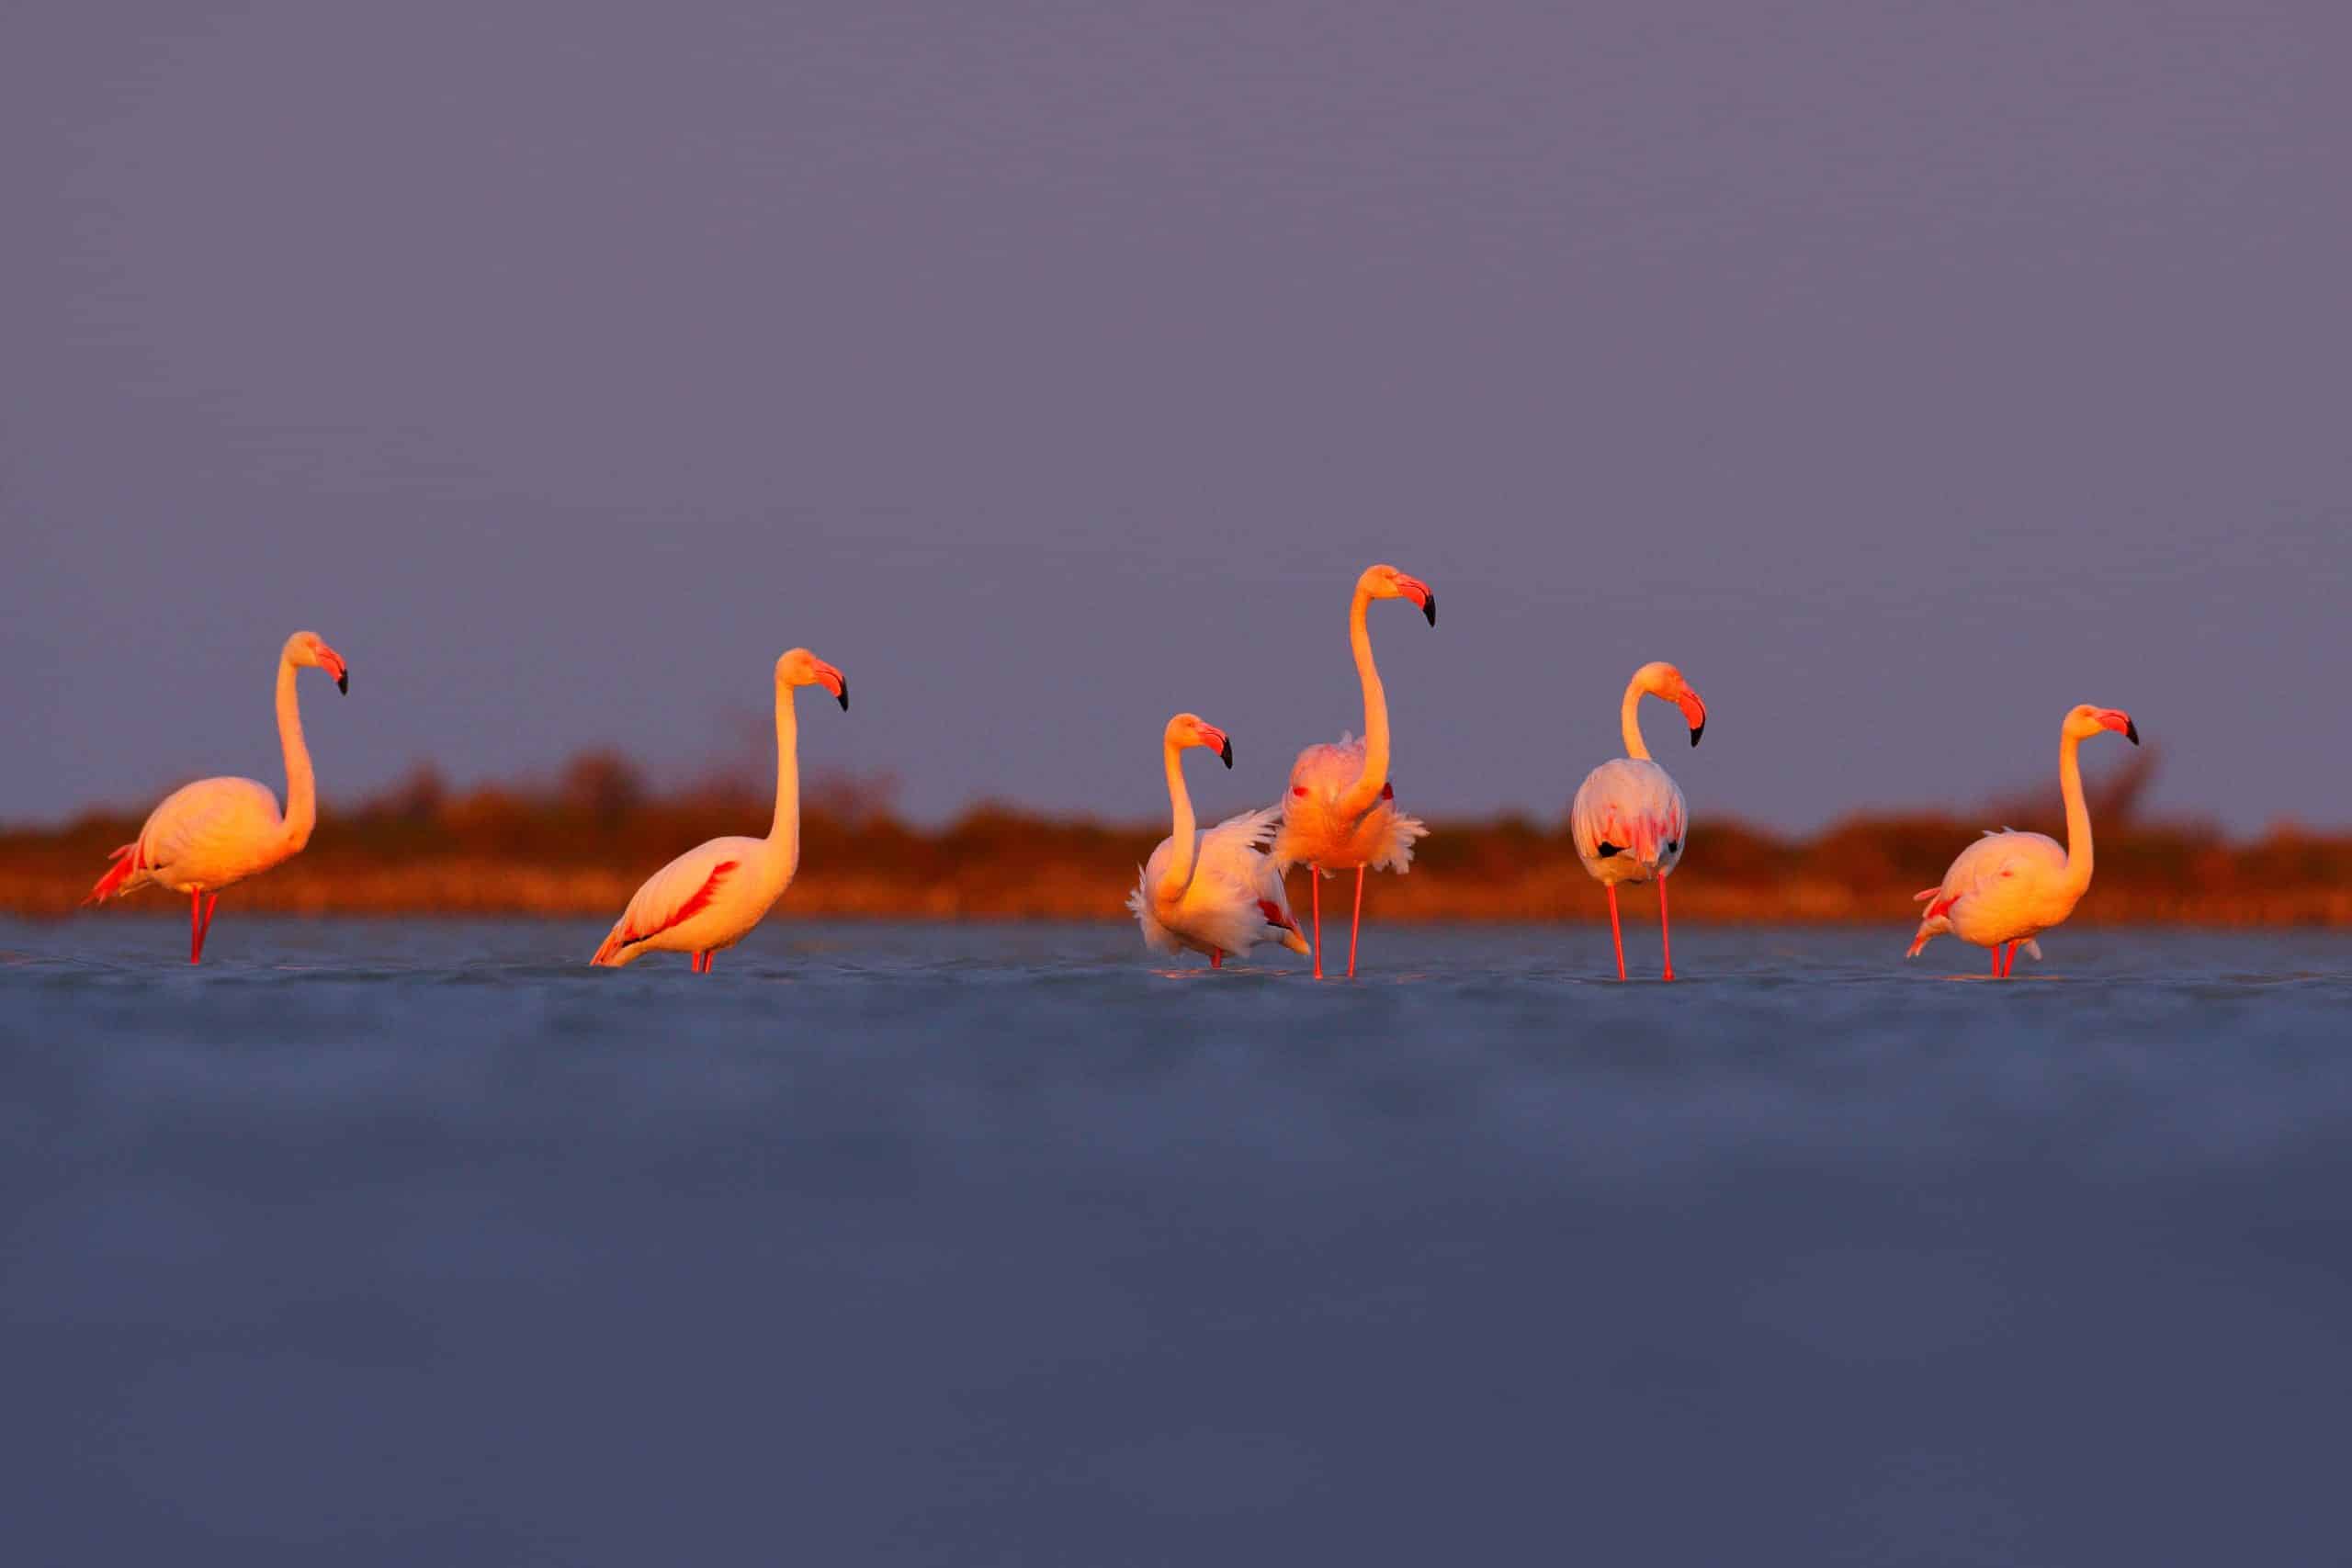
[
  {"x": 1354, "y": 922},
  {"x": 1314, "y": 885},
  {"x": 1997, "y": 961},
  {"x": 2009, "y": 964},
  {"x": 1665, "y": 943},
  {"x": 1616, "y": 934},
  {"x": 1216, "y": 958},
  {"x": 194, "y": 927}
]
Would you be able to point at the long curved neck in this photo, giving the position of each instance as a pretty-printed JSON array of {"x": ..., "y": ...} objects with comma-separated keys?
[
  {"x": 1179, "y": 876},
  {"x": 783, "y": 833},
  {"x": 301, "y": 785},
  {"x": 1360, "y": 796},
  {"x": 2078, "y": 815},
  {"x": 1629, "y": 720}
]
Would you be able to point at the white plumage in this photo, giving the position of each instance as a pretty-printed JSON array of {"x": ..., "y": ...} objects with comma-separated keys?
[
  {"x": 1628, "y": 818},
  {"x": 1213, "y": 892}
]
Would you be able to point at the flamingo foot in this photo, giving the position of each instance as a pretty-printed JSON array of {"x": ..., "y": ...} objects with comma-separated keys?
[
  {"x": 1665, "y": 943},
  {"x": 1355, "y": 923},
  {"x": 1616, "y": 933}
]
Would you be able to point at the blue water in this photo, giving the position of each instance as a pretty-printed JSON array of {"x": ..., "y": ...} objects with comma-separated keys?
[{"x": 421, "y": 1243}]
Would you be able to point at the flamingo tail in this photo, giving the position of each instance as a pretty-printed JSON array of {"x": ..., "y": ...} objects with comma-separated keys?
[{"x": 122, "y": 877}]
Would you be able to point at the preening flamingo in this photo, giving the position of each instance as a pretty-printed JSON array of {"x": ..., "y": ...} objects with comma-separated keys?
[
  {"x": 1342, "y": 811},
  {"x": 2008, "y": 888},
  {"x": 1214, "y": 892},
  {"x": 1628, "y": 818},
  {"x": 712, "y": 895},
  {"x": 215, "y": 832}
]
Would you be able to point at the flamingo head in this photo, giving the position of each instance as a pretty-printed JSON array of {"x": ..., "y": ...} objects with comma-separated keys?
[
  {"x": 2085, "y": 721},
  {"x": 1663, "y": 680},
  {"x": 1387, "y": 583},
  {"x": 309, "y": 650},
  {"x": 1192, "y": 729},
  {"x": 802, "y": 668}
]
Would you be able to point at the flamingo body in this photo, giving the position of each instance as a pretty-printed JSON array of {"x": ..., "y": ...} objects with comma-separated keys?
[
  {"x": 1628, "y": 820},
  {"x": 711, "y": 896},
  {"x": 2008, "y": 888},
  {"x": 216, "y": 832},
  {"x": 1233, "y": 900},
  {"x": 706, "y": 899},
  {"x": 1316, "y": 829}
]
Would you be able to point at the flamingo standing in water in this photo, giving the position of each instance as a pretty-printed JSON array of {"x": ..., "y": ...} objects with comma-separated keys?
[
  {"x": 215, "y": 832},
  {"x": 1628, "y": 818},
  {"x": 2008, "y": 888},
  {"x": 1342, "y": 810},
  {"x": 712, "y": 895},
  {"x": 1214, "y": 892}
]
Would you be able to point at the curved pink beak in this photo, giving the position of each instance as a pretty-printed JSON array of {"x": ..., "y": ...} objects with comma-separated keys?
[
  {"x": 834, "y": 681},
  {"x": 2120, "y": 722},
  {"x": 1694, "y": 712},
  {"x": 1216, "y": 740},
  {"x": 331, "y": 663},
  {"x": 1419, "y": 592}
]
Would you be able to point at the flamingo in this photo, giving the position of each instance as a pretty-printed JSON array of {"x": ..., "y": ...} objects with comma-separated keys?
[
  {"x": 1214, "y": 892},
  {"x": 712, "y": 895},
  {"x": 2008, "y": 888},
  {"x": 215, "y": 832},
  {"x": 1342, "y": 809},
  {"x": 1628, "y": 818}
]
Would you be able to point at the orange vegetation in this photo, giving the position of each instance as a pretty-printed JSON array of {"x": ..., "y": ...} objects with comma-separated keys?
[{"x": 580, "y": 846}]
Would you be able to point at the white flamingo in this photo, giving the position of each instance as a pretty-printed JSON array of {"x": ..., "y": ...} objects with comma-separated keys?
[
  {"x": 2008, "y": 888},
  {"x": 1214, "y": 892},
  {"x": 712, "y": 895},
  {"x": 1628, "y": 817},
  {"x": 1342, "y": 809},
  {"x": 215, "y": 832}
]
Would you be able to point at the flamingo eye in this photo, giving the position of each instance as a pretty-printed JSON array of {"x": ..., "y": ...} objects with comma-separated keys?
[{"x": 1299, "y": 790}]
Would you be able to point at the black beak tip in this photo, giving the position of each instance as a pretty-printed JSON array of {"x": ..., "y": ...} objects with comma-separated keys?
[
  {"x": 1697, "y": 731},
  {"x": 842, "y": 696},
  {"x": 342, "y": 682},
  {"x": 2131, "y": 732},
  {"x": 1429, "y": 607},
  {"x": 1225, "y": 754}
]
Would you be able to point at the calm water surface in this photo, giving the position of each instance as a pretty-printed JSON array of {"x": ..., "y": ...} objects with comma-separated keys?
[{"x": 421, "y": 1243}]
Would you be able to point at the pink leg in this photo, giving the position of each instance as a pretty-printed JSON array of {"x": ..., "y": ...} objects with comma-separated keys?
[
  {"x": 1615, "y": 933},
  {"x": 1354, "y": 923},
  {"x": 1997, "y": 961},
  {"x": 1665, "y": 943},
  {"x": 2010, "y": 962},
  {"x": 196, "y": 927},
  {"x": 1216, "y": 958},
  {"x": 1314, "y": 884}
]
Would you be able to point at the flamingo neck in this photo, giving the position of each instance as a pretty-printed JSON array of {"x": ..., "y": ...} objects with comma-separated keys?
[
  {"x": 1628, "y": 721},
  {"x": 783, "y": 831},
  {"x": 1360, "y": 796},
  {"x": 301, "y": 785},
  {"x": 1179, "y": 876},
  {"x": 2078, "y": 815}
]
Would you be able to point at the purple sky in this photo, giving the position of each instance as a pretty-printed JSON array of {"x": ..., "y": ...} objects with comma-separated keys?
[{"x": 1908, "y": 373}]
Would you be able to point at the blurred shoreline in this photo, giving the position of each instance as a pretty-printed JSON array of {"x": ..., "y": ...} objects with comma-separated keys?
[{"x": 579, "y": 845}]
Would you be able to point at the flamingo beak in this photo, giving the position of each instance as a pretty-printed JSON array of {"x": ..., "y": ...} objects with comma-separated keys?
[
  {"x": 335, "y": 667},
  {"x": 834, "y": 681},
  {"x": 1225, "y": 749},
  {"x": 2120, "y": 722},
  {"x": 1694, "y": 712},
  {"x": 1419, "y": 592}
]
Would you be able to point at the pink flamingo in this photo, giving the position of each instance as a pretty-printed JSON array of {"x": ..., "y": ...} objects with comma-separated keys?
[
  {"x": 2008, "y": 888},
  {"x": 1628, "y": 818},
  {"x": 1342, "y": 810},
  {"x": 712, "y": 895},
  {"x": 1214, "y": 892},
  {"x": 215, "y": 832}
]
